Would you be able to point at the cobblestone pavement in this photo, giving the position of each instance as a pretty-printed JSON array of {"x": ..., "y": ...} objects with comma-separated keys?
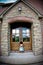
[{"x": 40, "y": 63}]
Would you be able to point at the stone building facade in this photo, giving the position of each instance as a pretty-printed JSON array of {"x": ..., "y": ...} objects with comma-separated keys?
[{"x": 26, "y": 14}]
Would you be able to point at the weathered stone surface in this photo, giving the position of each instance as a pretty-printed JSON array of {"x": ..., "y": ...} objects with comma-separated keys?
[
  {"x": 26, "y": 11},
  {"x": 0, "y": 37}
]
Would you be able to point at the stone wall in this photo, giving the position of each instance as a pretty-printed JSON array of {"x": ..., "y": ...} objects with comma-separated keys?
[
  {"x": 0, "y": 37},
  {"x": 4, "y": 38},
  {"x": 41, "y": 22},
  {"x": 37, "y": 37},
  {"x": 26, "y": 11},
  {"x": 36, "y": 29}
]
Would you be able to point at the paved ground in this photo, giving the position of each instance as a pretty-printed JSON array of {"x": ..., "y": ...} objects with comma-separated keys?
[
  {"x": 21, "y": 58},
  {"x": 40, "y": 63}
]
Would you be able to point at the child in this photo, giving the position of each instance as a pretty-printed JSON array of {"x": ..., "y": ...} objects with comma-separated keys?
[{"x": 21, "y": 48}]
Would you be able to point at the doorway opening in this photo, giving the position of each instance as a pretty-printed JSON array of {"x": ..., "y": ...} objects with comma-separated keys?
[{"x": 20, "y": 31}]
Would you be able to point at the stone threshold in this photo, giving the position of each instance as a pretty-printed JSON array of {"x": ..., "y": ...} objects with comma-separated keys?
[
  {"x": 21, "y": 58},
  {"x": 27, "y": 51}
]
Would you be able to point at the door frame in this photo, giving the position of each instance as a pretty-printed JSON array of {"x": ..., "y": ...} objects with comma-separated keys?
[{"x": 21, "y": 19}]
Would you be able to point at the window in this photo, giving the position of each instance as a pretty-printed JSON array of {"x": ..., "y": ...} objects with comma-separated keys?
[
  {"x": 15, "y": 35},
  {"x": 26, "y": 34},
  {"x": 23, "y": 32}
]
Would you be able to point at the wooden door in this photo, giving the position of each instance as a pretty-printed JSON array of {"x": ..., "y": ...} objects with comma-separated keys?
[
  {"x": 14, "y": 43},
  {"x": 27, "y": 44}
]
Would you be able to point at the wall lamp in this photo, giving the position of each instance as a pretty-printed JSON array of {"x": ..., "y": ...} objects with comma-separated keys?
[{"x": 20, "y": 9}]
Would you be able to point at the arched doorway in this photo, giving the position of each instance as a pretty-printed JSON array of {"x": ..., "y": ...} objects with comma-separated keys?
[{"x": 20, "y": 31}]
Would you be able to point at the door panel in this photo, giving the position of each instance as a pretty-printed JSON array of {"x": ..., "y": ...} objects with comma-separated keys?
[
  {"x": 27, "y": 46},
  {"x": 15, "y": 46}
]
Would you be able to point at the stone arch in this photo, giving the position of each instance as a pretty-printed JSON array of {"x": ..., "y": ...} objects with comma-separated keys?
[{"x": 20, "y": 19}]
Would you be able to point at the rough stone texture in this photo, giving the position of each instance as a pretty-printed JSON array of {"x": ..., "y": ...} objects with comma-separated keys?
[
  {"x": 41, "y": 21},
  {"x": 0, "y": 37},
  {"x": 37, "y": 37},
  {"x": 4, "y": 38},
  {"x": 36, "y": 29},
  {"x": 26, "y": 11}
]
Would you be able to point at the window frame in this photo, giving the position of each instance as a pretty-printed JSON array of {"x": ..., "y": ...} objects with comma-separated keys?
[
  {"x": 20, "y": 35},
  {"x": 26, "y": 33},
  {"x": 11, "y": 36}
]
